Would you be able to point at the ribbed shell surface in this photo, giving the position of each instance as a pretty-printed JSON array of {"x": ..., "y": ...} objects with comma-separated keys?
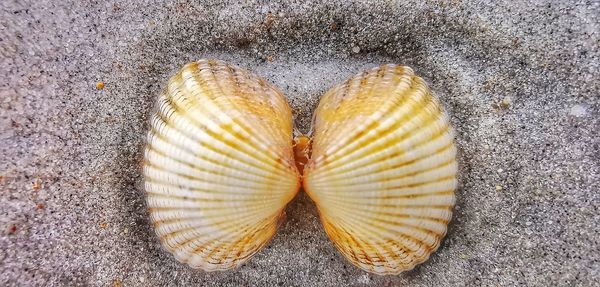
[
  {"x": 219, "y": 167},
  {"x": 383, "y": 169}
]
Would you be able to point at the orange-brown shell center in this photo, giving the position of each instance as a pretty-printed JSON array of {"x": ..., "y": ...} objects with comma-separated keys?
[{"x": 301, "y": 152}]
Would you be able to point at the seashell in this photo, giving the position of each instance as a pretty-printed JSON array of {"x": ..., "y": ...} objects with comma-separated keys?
[
  {"x": 383, "y": 169},
  {"x": 219, "y": 165}
]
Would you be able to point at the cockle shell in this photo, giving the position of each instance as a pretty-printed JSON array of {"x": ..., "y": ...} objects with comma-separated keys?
[
  {"x": 383, "y": 169},
  {"x": 219, "y": 165}
]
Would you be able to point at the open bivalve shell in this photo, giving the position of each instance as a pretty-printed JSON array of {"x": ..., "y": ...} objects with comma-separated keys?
[{"x": 220, "y": 166}]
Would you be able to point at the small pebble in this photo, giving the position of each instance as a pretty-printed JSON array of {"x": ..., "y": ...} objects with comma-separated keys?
[
  {"x": 505, "y": 102},
  {"x": 36, "y": 185},
  {"x": 578, "y": 111},
  {"x": 355, "y": 49}
]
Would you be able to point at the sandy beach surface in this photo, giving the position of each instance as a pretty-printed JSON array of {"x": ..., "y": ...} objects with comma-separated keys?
[{"x": 520, "y": 80}]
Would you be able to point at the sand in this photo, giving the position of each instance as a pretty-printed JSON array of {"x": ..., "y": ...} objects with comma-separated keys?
[{"x": 519, "y": 80}]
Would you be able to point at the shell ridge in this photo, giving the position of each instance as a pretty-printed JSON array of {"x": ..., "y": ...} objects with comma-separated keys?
[
  {"x": 171, "y": 230},
  {"x": 223, "y": 223},
  {"x": 445, "y": 168},
  {"x": 197, "y": 195},
  {"x": 356, "y": 253},
  {"x": 195, "y": 249},
  {"x": 211, "y": 208},
  {"x": 233, "y": 147},
  {"x": 400, "y": 87},
  {"x": 208, "y": 156},
  {"x": 174, "y": 127},
  {"x": 397, "y": 124},
  {"x": 406, "y": 158},
  {"x": 425, "y": 163},
  {"x": 442, "y": 189},
  {"x": 381, "y": 251},
  {"x": 187, "y": 170},
  {"x": 354, "y": 86},
  {"x": 171, "y": 179},
  {"x": 249, "y": 132},
  {"x": 400, "y": 191},
  {"x": 232, "y": 172},
  {"x": 243, "y": 254},
  {"x": 280, "y": 103},
  {"x": 402, "y": 127},
  {"x": 370, "y": 228},
  {"x": 238, "y": 78},
  {"x": 358, "y": 209},
  {"x": 334, "y": 235},
  {"x": 215, "y": 130},
  {"x": 443, "y": 215},
  {"x": 176, "y": 238},
  {"x": 336, "y": 92},
  {"x": 377, "y": 225},
  {"x": 398, "y": 202},
  {"x": 248, "y": 231},
  {"x": 212, "y": 219}
]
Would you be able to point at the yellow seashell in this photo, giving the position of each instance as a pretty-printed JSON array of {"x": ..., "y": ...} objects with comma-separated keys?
[
  {"x": 219, "y": 165},
  {"x": 383, "y": 169}
]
